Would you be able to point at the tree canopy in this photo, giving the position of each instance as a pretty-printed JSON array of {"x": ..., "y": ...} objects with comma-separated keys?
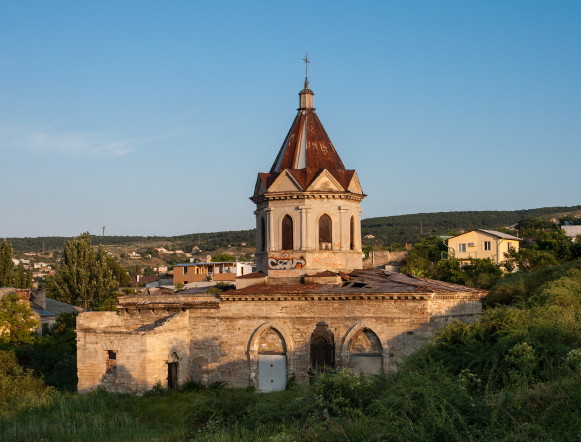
[
  {"x": 85, "y": 276},
  {"x": 17, "y": 321}
]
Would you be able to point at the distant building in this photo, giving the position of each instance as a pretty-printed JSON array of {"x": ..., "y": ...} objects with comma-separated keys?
[
  {"x": 572, "y": 231},
  {"x": 215, "y": 271},
  {"x": 482, "y": 244}
]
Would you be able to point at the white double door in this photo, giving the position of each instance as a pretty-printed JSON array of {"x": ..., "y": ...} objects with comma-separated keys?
[{"x": 271, "y": 372}]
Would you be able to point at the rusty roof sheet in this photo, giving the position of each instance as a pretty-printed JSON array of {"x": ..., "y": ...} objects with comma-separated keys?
[
  {"x": 364, "y": 282},
  {"x": 307, "y": 145}
]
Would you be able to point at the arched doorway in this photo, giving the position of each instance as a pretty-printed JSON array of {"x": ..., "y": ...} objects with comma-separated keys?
[
  {"x": 365, "y": 352},
  {"x": 271, "y": 361},
  {"x": 322, "y": 347},
  {"x": 172, "y": 370}
]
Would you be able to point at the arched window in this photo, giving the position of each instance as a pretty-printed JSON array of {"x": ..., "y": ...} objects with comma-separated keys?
[
  {"x": 352, "y": 234},
  {"x": 325, "y": 232},
  {"x": 262, "y": 227},
  {"x": 287, "y": 233}
]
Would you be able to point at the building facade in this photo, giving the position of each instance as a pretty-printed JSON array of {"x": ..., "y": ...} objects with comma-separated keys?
[
  {"x": 308, "y": 307},
  {"x": 483, "y": 244}
]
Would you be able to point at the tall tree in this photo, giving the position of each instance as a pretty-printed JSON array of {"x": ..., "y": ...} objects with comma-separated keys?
[
  {"x": 6, "y": 264},
  {"x": 83, "y": 277},
  {"x": 17, "y": 321},
  {"x": 22, "y": 277}
]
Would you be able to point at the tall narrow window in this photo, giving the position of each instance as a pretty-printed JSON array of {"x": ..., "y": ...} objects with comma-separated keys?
[
  {"x": 262, "y": 245},
  {"x": 352, "y": 233},
  {"x": 325, "y": 232},
  {"x": 287, "y": 233}
]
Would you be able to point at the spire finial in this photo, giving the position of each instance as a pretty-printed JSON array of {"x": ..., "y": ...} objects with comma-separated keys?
[{"x": 307, "y": 61}]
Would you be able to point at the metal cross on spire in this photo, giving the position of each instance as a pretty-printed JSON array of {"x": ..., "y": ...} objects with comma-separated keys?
[{"x": 307, "y": 61}]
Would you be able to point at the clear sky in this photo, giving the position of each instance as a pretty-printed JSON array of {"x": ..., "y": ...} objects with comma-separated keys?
[{"x": 154, "y": 117}]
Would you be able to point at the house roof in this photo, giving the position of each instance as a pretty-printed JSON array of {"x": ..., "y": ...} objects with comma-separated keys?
[
  {"x": 500, "y": 234},
  {"x": 191, "y": 264}
]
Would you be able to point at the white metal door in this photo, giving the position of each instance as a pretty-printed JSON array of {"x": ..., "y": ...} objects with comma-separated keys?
[{"x": 271, "y": 372}]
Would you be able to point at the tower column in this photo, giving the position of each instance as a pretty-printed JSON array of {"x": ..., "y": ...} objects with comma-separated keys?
[
  {"x": 343, "y": 229},
  {"x": 305, "y": 243},
  {"x": 357, "y": 238}
]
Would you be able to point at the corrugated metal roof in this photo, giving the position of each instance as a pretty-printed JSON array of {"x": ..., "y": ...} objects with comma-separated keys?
[
  {"x": 500, "y": 234},
  {"x": 362, "y": 282}
]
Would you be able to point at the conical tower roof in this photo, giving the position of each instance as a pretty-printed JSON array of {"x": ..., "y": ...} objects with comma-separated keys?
[{"x": 307, "y": 145}]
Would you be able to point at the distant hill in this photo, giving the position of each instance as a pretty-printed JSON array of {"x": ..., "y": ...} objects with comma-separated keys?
[
  {"x": 387, "y": 230},
  {"x": 406, "y": 228}
]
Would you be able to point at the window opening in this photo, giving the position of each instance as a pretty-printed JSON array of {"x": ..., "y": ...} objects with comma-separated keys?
[
  {"x": 325, "y": 232},
  {"x": 287, "y": 233}
]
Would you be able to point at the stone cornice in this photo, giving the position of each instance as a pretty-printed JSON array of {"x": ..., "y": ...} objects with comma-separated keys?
[
  {"x": 349, "y": 296},
  {"x": 273, "y": 196}
]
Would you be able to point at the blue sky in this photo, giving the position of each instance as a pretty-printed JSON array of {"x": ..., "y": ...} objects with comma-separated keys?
[{"x": 153, "y": 118}]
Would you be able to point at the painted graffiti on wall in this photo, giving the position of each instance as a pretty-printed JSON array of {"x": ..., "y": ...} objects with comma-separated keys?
[{"x": 286, "y": 262}]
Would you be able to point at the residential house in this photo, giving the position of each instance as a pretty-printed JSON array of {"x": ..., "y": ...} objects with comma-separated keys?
[{"x": 482, "y": 244}]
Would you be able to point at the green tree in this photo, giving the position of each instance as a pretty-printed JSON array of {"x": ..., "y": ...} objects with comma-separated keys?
[
  {"x": 17, "y": 321},
  {"x": 22, "y": 277},
  {"x": 119, "y": 272},
  {"x": 424, "y": 255},
  {"x": 83, "y": 277},
  {"x": 6, "y": 264}
]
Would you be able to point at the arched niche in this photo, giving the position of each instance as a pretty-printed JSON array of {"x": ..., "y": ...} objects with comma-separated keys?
[
  {"x": 322, "y": 347},
  {"x": 325, "y": 232},
  {"x": 363, "y": 351},
  {"x": 287, "y": 233}
]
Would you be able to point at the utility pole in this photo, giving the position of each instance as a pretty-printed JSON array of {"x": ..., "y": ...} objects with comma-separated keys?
[{"x": 103, "y": 230}]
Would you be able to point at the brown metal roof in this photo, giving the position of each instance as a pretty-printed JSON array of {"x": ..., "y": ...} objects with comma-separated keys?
[
  {"x": 307, "y": 145},
  {"x": 363, "y": 282}
]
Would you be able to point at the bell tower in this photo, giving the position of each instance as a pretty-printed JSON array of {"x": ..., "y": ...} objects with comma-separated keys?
[{"x": 308, "y": 214}]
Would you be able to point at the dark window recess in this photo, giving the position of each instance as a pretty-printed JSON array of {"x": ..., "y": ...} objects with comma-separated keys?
[
  {"x": 45, "y": 329},
  {"x": 325, "y": 232},
  {"x": 111, "y": 364},
  {"x": 262, "y": 246},
  {"x": 352, "y": 234},
  {"x": 287, "y": 233},
  {"x": 172, "y": 374},
  {"x": 322, "y": 347},
  {"x": 185, "y": 270}
]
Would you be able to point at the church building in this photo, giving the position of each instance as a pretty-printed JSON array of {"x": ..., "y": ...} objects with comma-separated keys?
[{"x": 310, "y": 306}]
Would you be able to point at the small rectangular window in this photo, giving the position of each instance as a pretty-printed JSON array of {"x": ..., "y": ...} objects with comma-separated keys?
[
  {"x": 111, "y": 364},
  {"x": 486, "y": 245},
  {"x": 462, "y": 248},
  {"x": 185, "y": 270}
]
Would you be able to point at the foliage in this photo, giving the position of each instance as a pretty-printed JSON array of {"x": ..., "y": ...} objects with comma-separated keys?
[
  {"x": 224, "y": 257},
  {"x": 422, "y": 258},
  {"x": 10, "y": 277},
  {"x": 6, "y": 264},
  {"x": 17, "y": 321},
  {"x": 84, "y": 277},
  {"x": 54, "y": 356},
  {"x": 19, "y": 388},
  {"x": 520, "y": 344}
]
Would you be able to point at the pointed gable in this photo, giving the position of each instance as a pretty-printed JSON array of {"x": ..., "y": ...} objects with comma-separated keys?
[
  {"x": 285, "y": 183},
  {"x": 325, "y": 182}
]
